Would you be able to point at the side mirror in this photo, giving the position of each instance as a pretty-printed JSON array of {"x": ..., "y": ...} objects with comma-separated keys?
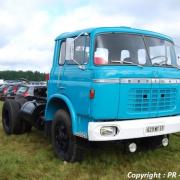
[{"x": 69, "y": 49}]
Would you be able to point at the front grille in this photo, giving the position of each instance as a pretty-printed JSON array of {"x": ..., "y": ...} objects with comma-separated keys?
[{"x": 151, "y": 100}]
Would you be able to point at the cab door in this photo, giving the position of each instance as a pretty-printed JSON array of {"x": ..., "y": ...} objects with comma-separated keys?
[
  {"x": 77, "y": 80},
  {"x": 55, "y": 85}
]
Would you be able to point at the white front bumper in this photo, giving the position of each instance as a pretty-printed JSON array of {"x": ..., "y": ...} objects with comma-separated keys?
[{"x": 130, "y": 129}]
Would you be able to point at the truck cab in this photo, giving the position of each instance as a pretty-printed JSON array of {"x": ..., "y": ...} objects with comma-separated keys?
[
  {"x": 109, "y": 84},
  {"x": 117, "y": 83}
]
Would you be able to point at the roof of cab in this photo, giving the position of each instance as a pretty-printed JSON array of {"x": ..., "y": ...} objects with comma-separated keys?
[{"x": 121, "y": 29}]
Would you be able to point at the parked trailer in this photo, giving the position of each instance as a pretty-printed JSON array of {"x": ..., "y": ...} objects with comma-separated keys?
[{"x": 106, "y": 84}]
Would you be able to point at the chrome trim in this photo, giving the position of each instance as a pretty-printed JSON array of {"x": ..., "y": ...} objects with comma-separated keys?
[
  {"x": 114, "y": 81},
  {"x": 155, "y": 81},
  {"x": 135, "y": 81},
  {"x": 138, "y": 81}
]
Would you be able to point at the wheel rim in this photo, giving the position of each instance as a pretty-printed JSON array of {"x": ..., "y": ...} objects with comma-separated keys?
[
  {"x": 61, "y": 138},
  {"x": 6, "y": 119}
]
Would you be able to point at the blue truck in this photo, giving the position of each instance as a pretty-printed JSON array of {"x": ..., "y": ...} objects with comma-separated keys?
[{"x": 106, "y": 84}]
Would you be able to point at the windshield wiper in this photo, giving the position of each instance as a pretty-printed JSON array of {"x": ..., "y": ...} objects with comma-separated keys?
[
  {"x": 160, "y": 56},
  {"x": 171, "y": 65},
  {"x": 127, "y": 62},
  {"x": 162, "y": 62},
  {"x": 166, "y": 64}
]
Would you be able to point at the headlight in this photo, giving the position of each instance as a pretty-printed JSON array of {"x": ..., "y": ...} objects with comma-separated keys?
[{"x": 108, "y": 131}]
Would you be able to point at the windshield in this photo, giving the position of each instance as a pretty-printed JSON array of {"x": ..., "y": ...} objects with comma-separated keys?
[
  {"x": 22, "y": 89},
  {"x": 160, "y": 51},
  {"x": 121, "y": 49}
]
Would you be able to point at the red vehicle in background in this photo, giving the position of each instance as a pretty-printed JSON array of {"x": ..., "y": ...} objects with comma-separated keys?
[
  {"x": 31, "y": 90},
  {"x": 11, "y": 91},
  {"x": 3, "y": 90}
]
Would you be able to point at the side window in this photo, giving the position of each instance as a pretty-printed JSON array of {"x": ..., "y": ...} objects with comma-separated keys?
[
  {"x": 142, "y": 56},
  {"x": 86, "y": 58},
  {"x": 81, "y": 49},
  {"x": 62, "y": 53},
  {"x": 31, "y": 91}
]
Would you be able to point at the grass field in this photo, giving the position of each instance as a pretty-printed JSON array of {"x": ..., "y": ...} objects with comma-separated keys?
[{"x": 30, "y": 156}]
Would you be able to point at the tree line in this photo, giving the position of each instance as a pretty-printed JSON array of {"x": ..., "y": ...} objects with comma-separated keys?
[{"x": 29, "y": 75}]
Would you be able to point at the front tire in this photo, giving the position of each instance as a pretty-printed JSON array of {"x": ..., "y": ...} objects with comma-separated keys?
[{"x": 66, "y": 146}]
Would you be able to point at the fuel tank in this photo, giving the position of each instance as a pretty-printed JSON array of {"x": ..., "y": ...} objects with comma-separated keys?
[{"x": 33, "y": 111}]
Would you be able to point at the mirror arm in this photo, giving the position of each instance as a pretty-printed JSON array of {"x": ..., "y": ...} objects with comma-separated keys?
[
  {"x": 80, "y": 66},
  {"x": 70, "y": 49},
  {"x": 83, "y": 33},
  {"x": 76, "y": 62}
]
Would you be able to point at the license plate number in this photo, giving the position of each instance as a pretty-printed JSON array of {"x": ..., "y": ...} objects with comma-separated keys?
[{"x": 153, "y": 129}]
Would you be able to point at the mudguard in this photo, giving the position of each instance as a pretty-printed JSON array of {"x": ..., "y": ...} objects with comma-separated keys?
[{"x": 49, "y": 115}]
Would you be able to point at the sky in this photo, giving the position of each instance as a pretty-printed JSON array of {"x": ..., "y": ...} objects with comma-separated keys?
[{"x": 28, "y": 28}]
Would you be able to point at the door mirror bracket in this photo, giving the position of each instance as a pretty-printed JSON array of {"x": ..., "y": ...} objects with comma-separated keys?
[{"x": 70, "y": 46}]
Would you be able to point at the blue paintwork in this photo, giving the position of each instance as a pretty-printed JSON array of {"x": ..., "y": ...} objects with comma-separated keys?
[
  {"x": 114, "y": 29},
  {"x": 110, "y": 102},
  {"x": 108, "y": 108}
]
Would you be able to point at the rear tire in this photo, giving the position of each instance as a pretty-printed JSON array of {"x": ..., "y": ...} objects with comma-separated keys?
[
  {"x": 27, "y": 127},
  {"x": 66, "y": 146},
  {"x": 11, "y": 122}
]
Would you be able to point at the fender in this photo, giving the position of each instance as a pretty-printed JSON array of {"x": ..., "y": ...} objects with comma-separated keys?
[{"x": 49, "y": 112}]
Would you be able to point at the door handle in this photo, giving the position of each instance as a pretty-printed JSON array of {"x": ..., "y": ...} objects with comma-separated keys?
[{"x": 62, "y": 88}]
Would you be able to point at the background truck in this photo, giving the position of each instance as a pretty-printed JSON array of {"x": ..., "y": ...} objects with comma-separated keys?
[{"x": 106, "y": 84}]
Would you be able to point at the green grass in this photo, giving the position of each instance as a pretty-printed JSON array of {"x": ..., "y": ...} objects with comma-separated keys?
[{"x": 30, "y": 156}]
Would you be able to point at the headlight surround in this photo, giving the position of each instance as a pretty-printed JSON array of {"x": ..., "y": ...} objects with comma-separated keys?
[{"x": 108, "y": 131}]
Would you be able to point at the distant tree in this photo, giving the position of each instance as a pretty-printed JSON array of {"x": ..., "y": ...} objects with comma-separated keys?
[{"x": 29, "y": 75}]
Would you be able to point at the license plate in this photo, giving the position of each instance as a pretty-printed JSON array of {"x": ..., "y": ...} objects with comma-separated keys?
[{"x": 154, "y": 129}]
